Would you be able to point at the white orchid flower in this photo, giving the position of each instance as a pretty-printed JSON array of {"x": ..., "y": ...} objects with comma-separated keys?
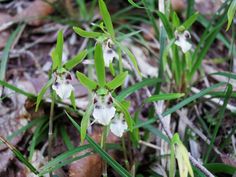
[
  {"x": 118, "y": 125},
  {"x": 104, "y": 110},
  {"x": 182, "y": 40},
  {"x": 108, "y": 52},
  {"x": 62, "y": 85}
]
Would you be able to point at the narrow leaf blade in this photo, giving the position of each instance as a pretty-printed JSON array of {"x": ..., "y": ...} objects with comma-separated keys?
[
  {"x": 85, "y": 81},
  {"x": 99, "y": 65},
  {"x": 117, "y": 81},
  {"x": 75, "y": 60}
]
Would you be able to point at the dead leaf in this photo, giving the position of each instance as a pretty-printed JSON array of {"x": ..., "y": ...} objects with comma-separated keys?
[
  {"x": 229, "y": 160},
  {"x": 4, "y": 35},
  {"x": 35, "y": 13},
  {"x": 178, "y": 5},
  {"x": 13, "y": 116}
]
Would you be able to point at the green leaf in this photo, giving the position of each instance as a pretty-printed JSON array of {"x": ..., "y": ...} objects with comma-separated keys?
[
  {"x": 17, "y": 90},
  {"x": 59, "y": 48},
  {"x": 175, "y": 18},
  {"x": 72, "y": 99},
  {"x": 87, "y": 34},
  {"x": 19, "y": 156},
  {"x": 157, "y": 132},
  {"x": 99, "y": 65},
  {"x": 85, "y": 81},
  {"x": 166, "y": 24},
  {"x": 85, "y": 122},
  {"x": 192, "y": 98},
  {"x": 42, "y": 92},
  {"x": 221, "y": 168},
  {"x": 134, "y": 4},
  {"x": 159, "y": 97},
  {"x": 7, "y": 48},
  {"x": 117, "y": 81},
  {"x": 105, "y": 156},
  {"x": 112, "y": 70},
  {"x": 231, "y": 13},
  {"x": 219, "y": 118},
  {"x": 55, "y": 59},
  {"x": 65, "y": 137},
  {"x": 172, "y": 161},
  {"x": 106, "y": 18},
  {"x": 226, "y": 74},
  {"x": 188, "y": 23},
  {"x": 131, "y": 57},
  {"x": 36, "y": 134},
  {"x": 75, "y": 60},
  {"x": 128, "y": 91},
  {"x": 125, "y": 111},
  {"x": 60, "y": 160}
]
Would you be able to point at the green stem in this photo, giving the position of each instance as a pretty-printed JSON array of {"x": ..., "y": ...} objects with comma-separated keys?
[
  {"x": 50, "y": 129},
  {"x": 120, "y": 61},
  {"x": 103, "y": 146},
  {"x": 125, "y": 153}
]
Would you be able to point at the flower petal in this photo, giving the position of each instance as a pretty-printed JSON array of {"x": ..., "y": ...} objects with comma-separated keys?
[
  {"x": 108, "y": 52},
  {"x": 63, "y": 90},
  {"x": 182, "y": 41},
  {"x": 104, "y": 114},
  {"x": 118, "y": 127}
]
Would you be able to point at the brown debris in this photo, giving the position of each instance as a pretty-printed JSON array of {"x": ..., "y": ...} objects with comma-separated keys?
[{"x": 35, "y": 13}]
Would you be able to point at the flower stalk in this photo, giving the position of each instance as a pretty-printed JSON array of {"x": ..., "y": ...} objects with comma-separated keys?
[
  {"x": 50, "y": 128},
  {"x": 103, "y": 146}
]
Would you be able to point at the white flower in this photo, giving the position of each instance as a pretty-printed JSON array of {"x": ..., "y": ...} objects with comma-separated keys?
[
  {"x": 104, "y": 110},
  {"x": 108, "y": 52},
  {"x": 182, "y": 40},
  {"x": 118, "y": 125},
  {"x": 62, "y": 85}
]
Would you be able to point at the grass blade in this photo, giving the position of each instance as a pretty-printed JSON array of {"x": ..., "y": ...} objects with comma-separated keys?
[
  {"x": 128, "y": 91},
  {"x": 6, "y": 51},
  {"x": 106, "y": 17},
  {"x": 192, "y": 98},
  {"x": 219, "y": 119},
  {"x": 17, "y": 90},
  {"x": 169, "y": 96},
  {"x": 75, "y": 60},
  {"x": 19, "y": 155},
  {"x": 87, "y": 34},
  {"x": 99, "y": 65},
  {"x": 225, "y": 74},
  {"x": 117, "y": 81}
]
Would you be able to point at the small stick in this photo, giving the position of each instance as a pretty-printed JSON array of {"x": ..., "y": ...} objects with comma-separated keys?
[{"x": 50, "y": 129}]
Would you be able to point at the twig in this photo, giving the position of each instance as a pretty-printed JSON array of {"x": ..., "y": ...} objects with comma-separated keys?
[{"x": 149, "y": 145}]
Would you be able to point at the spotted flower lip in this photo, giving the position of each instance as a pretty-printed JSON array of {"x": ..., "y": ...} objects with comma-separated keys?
[
  {"x": 182, "y": 40},
  {"x": 104, "y": 110},
  {"x": 118, "y": 125},
  {"x": 62, "y": 85},
  {"x": 108, "y": 52}
]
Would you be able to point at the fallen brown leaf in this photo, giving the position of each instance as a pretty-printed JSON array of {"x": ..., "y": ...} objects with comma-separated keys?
[
  {"x": 4, "y": 35},
  {"x": 178, "y": 5},
  {"x": 35, "y": 12}
]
